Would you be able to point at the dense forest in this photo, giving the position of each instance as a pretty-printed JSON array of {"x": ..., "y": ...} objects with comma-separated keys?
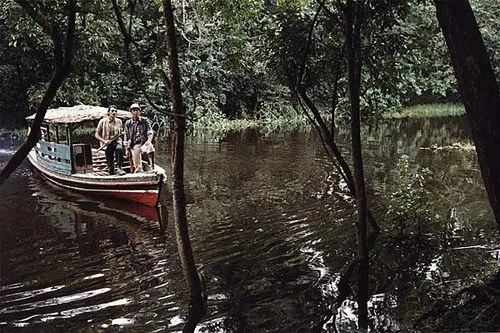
[{"x": 238, "y": 59}]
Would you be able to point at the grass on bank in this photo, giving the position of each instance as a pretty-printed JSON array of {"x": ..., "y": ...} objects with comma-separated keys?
[
  {"x": 294, "y": 120},
  {"x": 427, "y": 111},
  {"x": 225, "y": 125},
  {"x": 290, "y": 120}
]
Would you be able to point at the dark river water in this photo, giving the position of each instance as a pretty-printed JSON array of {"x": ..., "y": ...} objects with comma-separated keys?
[{"x": 272, "y": 229}]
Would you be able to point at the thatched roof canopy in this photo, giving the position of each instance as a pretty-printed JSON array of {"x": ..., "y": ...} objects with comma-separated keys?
[{"x": 77, "y": 114}]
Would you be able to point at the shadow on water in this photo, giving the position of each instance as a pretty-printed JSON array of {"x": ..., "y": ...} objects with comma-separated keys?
[{"x": 272, "y": 230}]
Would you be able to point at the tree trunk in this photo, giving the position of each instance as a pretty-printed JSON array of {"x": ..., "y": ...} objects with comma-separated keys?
[
  {"x": 179, "y": 197},
  {"x": 327, "y": 135},
  {"x": 63, "y": 55},
  {"x": 353, "y": 35},
  {"x": 33, "y": 136},
  {"x": 478, "y": 87}
]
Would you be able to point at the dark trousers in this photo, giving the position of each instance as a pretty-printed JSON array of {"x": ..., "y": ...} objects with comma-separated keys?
[{"x": 111, "y": 150}]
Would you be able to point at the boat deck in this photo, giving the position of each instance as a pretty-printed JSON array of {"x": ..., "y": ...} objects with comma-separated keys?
[
  {"x": 100, "y": 171},
  {"x": 100, "y": 167}
]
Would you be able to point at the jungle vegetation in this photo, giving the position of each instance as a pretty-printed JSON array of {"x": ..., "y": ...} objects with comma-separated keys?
[{"x": 238, "y": 59}]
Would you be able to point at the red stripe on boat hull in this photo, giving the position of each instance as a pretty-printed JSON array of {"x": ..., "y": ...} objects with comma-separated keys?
[
  {"x": 143, "y": 192},
  {"x": 145, "y": 198}
]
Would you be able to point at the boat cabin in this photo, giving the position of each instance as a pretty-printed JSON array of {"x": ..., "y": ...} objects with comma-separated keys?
[
  {"x": 79, "y": 167},
  {"x": 56, "y": 149}
]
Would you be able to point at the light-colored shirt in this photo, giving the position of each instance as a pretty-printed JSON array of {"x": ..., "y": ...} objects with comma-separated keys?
[{"x": 108, "y": 129}]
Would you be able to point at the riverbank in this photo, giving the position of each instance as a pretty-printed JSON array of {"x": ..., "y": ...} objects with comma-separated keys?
[
  {"x": 300, "y": 119},
  {"x": 427, "y": 111},
  {"x": 291, "y": 121}
]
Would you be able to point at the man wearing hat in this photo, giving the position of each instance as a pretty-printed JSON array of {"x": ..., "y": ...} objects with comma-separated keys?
[{"x": 138, "y": 137}]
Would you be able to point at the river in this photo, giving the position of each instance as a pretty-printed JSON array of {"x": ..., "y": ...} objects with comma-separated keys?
[{"x": 272, "y": 229}]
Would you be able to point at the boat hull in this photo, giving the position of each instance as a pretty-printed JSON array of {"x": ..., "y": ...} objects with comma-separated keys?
[{"x": 143, "y": 188}]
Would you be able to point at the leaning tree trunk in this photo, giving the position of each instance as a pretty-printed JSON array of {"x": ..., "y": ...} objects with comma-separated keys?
[
  {"x": 63, "y": 55},
  {"x": 478, "y": 88},
  {"x": 326, "y": 134},
  {"x": 179, "y": 196},
  {"x": 353, "y": 47}
]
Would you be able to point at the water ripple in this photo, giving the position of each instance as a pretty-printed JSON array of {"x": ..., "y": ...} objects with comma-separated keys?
[{"x": 271, "y": 225}]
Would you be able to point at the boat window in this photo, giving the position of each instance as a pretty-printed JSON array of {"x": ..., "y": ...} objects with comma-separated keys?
[
  {"x": 48, "y": 134},
  {"x": 44, "y": 134},
  {"x": 62, "y": 135}
]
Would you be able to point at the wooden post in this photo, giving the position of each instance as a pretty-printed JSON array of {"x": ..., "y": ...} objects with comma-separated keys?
[{"x": 69, "y": 140}]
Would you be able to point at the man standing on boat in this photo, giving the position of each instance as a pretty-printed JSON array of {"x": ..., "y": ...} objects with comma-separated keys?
[
  {"x": 139, "y": 138},
  {"x": 109, "y": 132}
]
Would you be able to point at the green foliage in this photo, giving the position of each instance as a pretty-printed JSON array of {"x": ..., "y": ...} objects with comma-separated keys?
[
  {"x": 409, "y": 197},
  {"x": 287, "y": 42},
  {"x": 427, "y": 111},
  {"x": 239, "y": 59},
  {"x": 326, "y": 58},
  {"x": 422, "y": 69},
  {"x": 422, "y": 65},
  {"x": 26, "y": 57},
  {"x": 224, "y": 60},
  {"x": 486, "y": 14},
  {"x": 231, "y": 13},
  {"x": 96, "y": 74}
]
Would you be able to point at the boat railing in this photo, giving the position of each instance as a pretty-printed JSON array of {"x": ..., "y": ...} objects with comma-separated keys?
[{"x": 54, "y": 156}]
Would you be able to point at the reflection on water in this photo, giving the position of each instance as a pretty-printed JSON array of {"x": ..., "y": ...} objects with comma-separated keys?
[{"x": 272, "y": 230}]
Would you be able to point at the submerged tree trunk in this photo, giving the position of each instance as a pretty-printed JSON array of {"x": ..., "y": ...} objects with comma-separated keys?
[
  {"x": 478, "y": 88},
  {"x": 353, "y": 47},
  {"x": 63, "y": 55},
  {"x": 179, "y": 196}
]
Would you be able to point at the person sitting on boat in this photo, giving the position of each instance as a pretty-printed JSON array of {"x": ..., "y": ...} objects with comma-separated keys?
[
  {"x": 109, "y": 132},
  {"x": 139, "y": 138}
]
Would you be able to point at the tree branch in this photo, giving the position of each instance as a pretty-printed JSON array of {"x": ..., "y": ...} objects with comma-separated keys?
[
  {"x": 41, "y": 20},
  {"x": 62, "y": 60},
  {"x": 127, "y": 41}
]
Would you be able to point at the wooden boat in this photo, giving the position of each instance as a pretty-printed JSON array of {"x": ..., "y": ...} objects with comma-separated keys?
[{"x": 74, "y": 165}]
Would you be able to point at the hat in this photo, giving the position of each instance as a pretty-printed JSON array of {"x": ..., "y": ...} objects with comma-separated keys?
[{"x": 134, "y": 106}]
